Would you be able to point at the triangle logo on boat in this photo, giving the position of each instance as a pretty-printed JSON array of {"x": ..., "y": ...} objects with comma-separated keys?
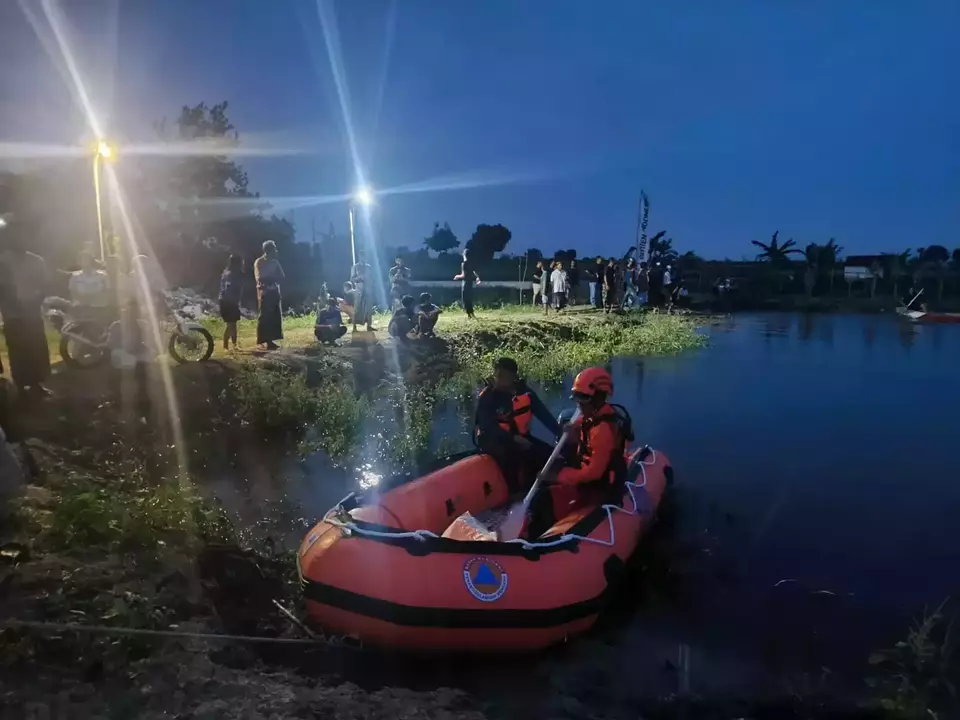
[
  {"x": 485, "y": 579},
  {"x": 485, "y": 576}
]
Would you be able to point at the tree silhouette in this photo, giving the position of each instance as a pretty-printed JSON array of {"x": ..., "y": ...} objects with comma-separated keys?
[
  {"x": 933, "y": 261},
  {"x": 534, "y": 254},
  {"x": 829, "y": 259},
  {"x": 934, "y": 254},
  {"x": 205, "y": 226},
  {"x": 487, "y": 240},
  {"x": 442, "y": 240},
  {"x": 661, "y": 248},
  {"x": 778, "y": 255},
  {"x": 812, "y": 255}
]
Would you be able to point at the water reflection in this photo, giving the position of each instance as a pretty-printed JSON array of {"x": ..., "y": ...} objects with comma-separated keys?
[
  {"x": 825, "y": 326},
  {"x": 777, "y": 325},
  {"x": 908, "y": 335}
]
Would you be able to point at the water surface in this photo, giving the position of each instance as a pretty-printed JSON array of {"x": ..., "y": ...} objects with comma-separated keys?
[{"x": 818, "y": 466}]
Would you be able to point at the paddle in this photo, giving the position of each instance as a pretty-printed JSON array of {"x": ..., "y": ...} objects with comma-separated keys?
[
  {"x": 914, "y": 299},
  {"x": 512, "y": 526}
]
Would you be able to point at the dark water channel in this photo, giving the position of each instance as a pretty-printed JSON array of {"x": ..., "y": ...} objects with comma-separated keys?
[{"x": 818, "y": 497}]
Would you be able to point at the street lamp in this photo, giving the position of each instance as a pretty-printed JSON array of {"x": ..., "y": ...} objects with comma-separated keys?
[
  {"x": 102, "y": 152},
  {"x": 361, "y": 196}
]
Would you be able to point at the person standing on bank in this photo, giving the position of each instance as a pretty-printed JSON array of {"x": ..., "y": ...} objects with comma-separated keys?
[
  {"x": 573, "y": 282},
  {"x": 360, "y": 275},
  {"x": 537, "y": 280},
  {"x": 469, "y": 279},
  {"x": 558, "y": 282},
  {"x": 268, "y": 274},
  {"x": 231, "y": 284},
  {"x": 23, "y": 280},
  {"x": 599, "y": 272}
]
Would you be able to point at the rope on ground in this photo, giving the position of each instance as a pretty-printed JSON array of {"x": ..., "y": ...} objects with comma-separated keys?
[{"x": 183, "y": 634}]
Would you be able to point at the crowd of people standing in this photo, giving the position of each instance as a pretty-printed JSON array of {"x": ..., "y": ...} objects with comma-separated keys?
[{"x": 611, "y": 284}]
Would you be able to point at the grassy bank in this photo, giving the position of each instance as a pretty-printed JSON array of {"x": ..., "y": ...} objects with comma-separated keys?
[{"x": 318, "y": 399}]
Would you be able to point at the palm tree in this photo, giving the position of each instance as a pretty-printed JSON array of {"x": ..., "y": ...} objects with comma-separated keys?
[
  {"x": 812, "y": 255},
  {"x": 661, "y": 248},
  {"x": 829, "y": 257},
  {"x": 778, "y": 255}
]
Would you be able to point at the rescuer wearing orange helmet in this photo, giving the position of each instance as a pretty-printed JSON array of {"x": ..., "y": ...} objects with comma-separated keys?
[
  {"x": 602, "y": 432},
  {"x": 506, "y": 408}
]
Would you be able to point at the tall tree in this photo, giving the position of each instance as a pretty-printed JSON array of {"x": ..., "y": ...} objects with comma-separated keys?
[
  {"x": 442, "y": 239},
  {"x": 487, "y": 240},
  {"x": 534, "y": 254},
  {"x": 209, "y": 205}
]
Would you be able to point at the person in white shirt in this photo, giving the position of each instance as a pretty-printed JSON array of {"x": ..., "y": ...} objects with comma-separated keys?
[
  {"x": 558, "y": 281},
  {"x": 89, "y": 285}
]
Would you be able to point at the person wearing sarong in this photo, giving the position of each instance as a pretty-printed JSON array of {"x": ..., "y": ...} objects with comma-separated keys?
[
  {"x": 23, "y": 280},
  {"x": 268, "y": 274},
  {"x": 361, "y": 275}
]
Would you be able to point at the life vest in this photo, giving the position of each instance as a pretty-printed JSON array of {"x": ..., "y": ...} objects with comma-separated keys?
[
  {"x": 517, "y": 421},
  {"x": 620, "y": 418}
]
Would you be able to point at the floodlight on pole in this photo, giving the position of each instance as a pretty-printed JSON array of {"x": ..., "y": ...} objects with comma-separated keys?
[
  {"x": 103, "y": 151},
  {"x": 363, "y": 195}
]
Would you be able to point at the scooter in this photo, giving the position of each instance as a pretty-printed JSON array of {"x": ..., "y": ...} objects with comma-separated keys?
[{"x": 84, "y": 340}]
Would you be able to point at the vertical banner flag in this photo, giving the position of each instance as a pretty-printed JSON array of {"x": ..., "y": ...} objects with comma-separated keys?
[{"x": 644, "y": 214}]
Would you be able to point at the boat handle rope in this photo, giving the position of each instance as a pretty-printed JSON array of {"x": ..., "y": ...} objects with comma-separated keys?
[
  {"x": 610, "y": 509},
  {"x": 332, "y": 518}
]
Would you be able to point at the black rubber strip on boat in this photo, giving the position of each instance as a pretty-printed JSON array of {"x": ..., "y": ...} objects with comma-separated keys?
[{"x": 455, "y": 618}]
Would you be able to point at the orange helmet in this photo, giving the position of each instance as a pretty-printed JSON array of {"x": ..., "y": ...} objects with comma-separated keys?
[{"x": 593, "y": 380}]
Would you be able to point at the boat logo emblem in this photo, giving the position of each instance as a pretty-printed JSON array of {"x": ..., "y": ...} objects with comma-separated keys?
[{"x": 485, "y": 579}]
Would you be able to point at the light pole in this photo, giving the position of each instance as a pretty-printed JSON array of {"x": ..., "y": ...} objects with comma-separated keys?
[
  {"x": 103, "y": 152},
  {"x": 362, "y": 196}
]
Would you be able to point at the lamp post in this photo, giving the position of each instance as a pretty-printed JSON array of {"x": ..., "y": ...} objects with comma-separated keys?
[
  {"x": 362, "y": 196},
  {"x": 103, "y": 152}
]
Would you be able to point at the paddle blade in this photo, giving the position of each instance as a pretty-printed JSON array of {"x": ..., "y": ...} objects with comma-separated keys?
[{"x": 512, "y": 526}]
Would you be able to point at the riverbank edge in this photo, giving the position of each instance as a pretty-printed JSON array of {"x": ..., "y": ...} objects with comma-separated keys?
[{"x": 102, "y": 540}]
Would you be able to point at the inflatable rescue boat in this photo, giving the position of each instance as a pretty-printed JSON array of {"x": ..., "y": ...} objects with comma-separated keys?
[{"x": 398, "y": 567}]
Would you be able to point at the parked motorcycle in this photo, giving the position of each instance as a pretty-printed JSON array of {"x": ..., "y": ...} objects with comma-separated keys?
[{"x": 84, "y": 336}]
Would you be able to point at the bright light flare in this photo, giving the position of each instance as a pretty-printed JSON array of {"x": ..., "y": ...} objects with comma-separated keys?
[
  {"x": 104, "y": 150},
  {"x": 363, "y": 196}
]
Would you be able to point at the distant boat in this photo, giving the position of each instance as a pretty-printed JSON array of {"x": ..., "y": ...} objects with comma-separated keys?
[{"x": 929, "y": 317}]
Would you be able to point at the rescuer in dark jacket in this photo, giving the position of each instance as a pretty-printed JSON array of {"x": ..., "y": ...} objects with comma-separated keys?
[{"x": 505, "y": 411}]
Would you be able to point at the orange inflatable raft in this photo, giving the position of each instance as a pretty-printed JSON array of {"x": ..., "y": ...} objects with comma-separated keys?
[{"x": 381, "y": 567}]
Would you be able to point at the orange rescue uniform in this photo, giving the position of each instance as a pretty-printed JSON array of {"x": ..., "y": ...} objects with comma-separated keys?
[{"x": 599, "y": 450}]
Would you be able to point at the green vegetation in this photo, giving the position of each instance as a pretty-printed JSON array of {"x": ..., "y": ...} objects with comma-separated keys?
[
  {"x": 919, "y": 677},
  {"x": 331, "y": 412},
  {"x": 278, "y": 398},
  {"x": 120, "y": 509}
]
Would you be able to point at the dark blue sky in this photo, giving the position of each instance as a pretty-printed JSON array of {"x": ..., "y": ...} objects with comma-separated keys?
[{"x": 741, "y": 117}]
